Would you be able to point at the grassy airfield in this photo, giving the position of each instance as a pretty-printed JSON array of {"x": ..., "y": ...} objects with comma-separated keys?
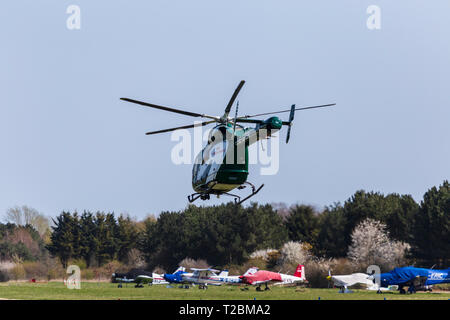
[{"x": 109, "y": 291}]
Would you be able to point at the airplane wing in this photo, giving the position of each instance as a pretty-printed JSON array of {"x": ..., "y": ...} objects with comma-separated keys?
[
  {"x": 205, "y": 269},
  {"x": 278, "y": 283},
  {"x": 118, "y": 279},
  {"x": 203, "y": 273},
  {"x": 143, "y": 279},
  {"x": 351, "y": 279},
  {"x": 375, "y": 287},
  {"x": 204, "y": 276},
  {"x": 258, "y": 282}
]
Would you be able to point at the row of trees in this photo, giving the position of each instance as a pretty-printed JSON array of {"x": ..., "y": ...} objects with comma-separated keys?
[
  {"x": 228, "y": 234},
  {"x": 20, "y": 243},
  {"x": 95, "y": 238},
  {"x": 329, "y": 231},
  {"x": 224, "y": 234},
  {"x": 426, "y": 227},
  {"x": 27, "y": 216}
]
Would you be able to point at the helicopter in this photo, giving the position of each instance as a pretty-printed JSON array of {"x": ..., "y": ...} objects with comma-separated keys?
[{"x": 222, "y": 165}]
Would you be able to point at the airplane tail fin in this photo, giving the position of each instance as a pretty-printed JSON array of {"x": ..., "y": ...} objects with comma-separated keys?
[
  {"x": 300, "y": 272},
  {"x": 250, "y": 271},
  {"x": 180, "y": 269},
  {"x": 223, "y": 273},
  {"x": 157, "y": 278}
]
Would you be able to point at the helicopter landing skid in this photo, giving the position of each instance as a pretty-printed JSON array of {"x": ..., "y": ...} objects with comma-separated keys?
[
  {"x": 202, "y": 195},
  {"x": 237, "y": 199},
  {"x": 254, "y": 191},
  {"x": 195, "y": 196}
]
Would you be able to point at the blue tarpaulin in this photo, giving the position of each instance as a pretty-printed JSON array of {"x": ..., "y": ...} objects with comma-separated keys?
[{"x": 402, "y": 275}]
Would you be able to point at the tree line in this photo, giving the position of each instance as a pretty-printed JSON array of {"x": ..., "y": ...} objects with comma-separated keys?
[
  {"x": 95, "y": 238},
  {"x": 227, "y": 234},
  {"x": 21, "y": 243}
]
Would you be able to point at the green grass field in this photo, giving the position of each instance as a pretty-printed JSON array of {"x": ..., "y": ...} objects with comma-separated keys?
[{"x": 107, "y": 291}]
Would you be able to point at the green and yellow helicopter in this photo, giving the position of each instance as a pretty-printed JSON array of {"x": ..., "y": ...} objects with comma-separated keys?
[{"x": 222, "y": 165}]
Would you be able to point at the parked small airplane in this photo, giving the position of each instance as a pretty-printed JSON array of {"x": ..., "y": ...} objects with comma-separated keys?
[
  {"x": 265, "y": 277},
  {"x": 176, "y": 277},
  {"x": 137, "y": 276},
  {"x": 414, "y": 278},
  {"x": 205, "y": 277},
  {"x": 141, "y": 277}
]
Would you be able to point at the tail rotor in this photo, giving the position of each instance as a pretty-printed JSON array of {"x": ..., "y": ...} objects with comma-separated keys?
[{"x": 291, "y": 119}]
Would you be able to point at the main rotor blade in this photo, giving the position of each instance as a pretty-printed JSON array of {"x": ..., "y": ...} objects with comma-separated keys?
[
  {"x": 186, "y": 113},
  {"x": 182, "y": 127},
  {"x": 233, "y": 97},
  {"x": 289, "y": 110},
  {"x": 285, "y": 123},
  {"x": 246, "y": 120}
]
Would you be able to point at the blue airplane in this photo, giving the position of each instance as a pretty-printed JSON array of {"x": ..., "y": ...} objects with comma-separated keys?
[
  {"x": 414, "y": 278},
  {"x": 176, "y": 276}
]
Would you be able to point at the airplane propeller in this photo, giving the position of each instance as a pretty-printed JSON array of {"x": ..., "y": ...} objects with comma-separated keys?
[{"x": 329, "y": 278}]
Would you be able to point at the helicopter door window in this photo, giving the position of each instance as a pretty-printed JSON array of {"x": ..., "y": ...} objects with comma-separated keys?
[{"x": 215, "y": 136}]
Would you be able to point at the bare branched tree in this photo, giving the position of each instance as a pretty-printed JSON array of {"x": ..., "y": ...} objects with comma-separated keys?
[
  {"x": 24, "y": 215},
  {"x": 371, "y": 245}
]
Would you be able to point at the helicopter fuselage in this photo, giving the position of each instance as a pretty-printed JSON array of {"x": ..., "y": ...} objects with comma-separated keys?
[{"x": 222, "y": 165}]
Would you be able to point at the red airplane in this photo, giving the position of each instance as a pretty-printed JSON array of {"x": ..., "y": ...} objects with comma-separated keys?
[{"x": 265, "y": 277}]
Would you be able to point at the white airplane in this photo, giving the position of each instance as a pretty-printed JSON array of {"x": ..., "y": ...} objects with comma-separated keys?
[
  {"x": 345, "y": 281},
  {"x": 137, "y": 276},
  {"x": 205, "y": 277},
  {"x": 202, "y": 277},
  {"x": 141, "y": 277}
]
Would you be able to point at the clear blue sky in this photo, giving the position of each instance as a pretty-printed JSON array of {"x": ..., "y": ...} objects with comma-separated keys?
[{"x": 67, "y": 142}]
